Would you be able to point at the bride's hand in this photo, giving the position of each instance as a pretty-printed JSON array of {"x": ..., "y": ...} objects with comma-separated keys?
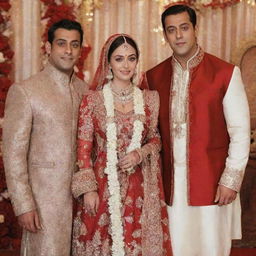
[
  {"x": 91, "y": 202},
  {"x": 129, "y": 160}
]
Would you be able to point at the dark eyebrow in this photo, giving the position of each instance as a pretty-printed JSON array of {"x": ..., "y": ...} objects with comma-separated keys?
[
  {"x": 76, "y": 41},
  {"x": 184, "y": 24},
  {"x": 60, "y": 39},
  {"x": 172, "y": 26},
  {"x": 64, "y": 40},
  {"x": 133, "y": 54}
]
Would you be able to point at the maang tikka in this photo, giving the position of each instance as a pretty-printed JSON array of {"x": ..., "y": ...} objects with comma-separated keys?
[{"x": 125, "y": 45}]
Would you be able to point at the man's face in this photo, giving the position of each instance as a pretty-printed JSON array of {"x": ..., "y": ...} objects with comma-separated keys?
[
  {"x": 181, "y": 35},
  {"x": 64, "y": 50}
]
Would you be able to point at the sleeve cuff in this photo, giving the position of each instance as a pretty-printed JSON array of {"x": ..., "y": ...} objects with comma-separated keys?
[
  {"x": 23, "y": 207},
  {"x": 232, "y": 178},
  {"x": 83, "y": 181}
]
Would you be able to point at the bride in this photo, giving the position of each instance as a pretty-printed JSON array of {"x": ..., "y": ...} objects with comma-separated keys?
[{"x": 118, "y": 186}]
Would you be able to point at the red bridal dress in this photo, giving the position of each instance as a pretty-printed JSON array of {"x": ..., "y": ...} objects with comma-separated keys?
[{"x": 144, "y": 214}]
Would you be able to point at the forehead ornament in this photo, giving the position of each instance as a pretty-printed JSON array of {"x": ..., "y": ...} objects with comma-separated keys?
[{"x": 125, "y": 44}]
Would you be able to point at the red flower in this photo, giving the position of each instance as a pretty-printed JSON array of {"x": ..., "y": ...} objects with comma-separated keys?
[
  {"x": 5, "y": 83},
  {"x": 5, "y": 5},
  {"x": 3, "y": 42},
  {"x": 47, "y": 2},
  {"x": 5, "y": 68},
  {"x": 2, "y": 180},
  {"x": 5, "y": 242},
  {"x": 84, "y": 53},
  {"x": 58, "y": 12},
  {"x": 16, "y": 242},
  {"x": 1, "y": 18},
  {"x": 10, "y": 231},
  {"x": 8, "y": 53},
  {"x": 5, "y": 47}
]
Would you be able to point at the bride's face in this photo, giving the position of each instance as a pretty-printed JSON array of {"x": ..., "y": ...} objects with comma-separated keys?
[{"x": 123, "y": 62}]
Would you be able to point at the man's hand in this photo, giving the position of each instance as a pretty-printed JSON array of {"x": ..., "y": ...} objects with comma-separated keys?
[
  {"x": 91, "y": 202},
  {"x": 224, "y": 195},
  {"x": 30, "y": 221}
]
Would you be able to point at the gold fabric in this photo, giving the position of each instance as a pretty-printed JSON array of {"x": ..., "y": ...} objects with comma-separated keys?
[{"x": 39, "y": 153}]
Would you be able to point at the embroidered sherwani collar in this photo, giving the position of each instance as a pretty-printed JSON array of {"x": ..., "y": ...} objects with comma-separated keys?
[
  {"x": 179, "y": 93},
  {"x": 59, "y": 77},
  {"x": 193, "y": 62}
]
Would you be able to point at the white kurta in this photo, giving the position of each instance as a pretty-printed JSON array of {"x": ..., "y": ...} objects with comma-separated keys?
[{"x": 207, "y": 230}]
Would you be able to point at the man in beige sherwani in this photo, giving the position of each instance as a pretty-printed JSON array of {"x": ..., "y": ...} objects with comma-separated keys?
[{"x": 39, "y": 145}]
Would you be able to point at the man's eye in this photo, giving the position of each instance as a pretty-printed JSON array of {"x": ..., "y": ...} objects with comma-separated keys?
[
  {"x": 171, "y": 30},
  {"x": 75, "y": 45},
  {"x": 61, "y": 43},
  {"x": 185, "y": 28}
]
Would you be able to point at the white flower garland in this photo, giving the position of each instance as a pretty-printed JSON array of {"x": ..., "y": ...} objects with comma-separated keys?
[{"x": 114, "y": 201}]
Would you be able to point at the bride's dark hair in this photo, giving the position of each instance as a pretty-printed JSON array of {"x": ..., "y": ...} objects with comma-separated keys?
[
  {"x": 113, "y": 42},
  {"x": 119, "y": 41}
]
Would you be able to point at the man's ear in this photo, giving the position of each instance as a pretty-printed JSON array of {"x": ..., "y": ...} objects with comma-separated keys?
[{"x": 48, "y": 48}]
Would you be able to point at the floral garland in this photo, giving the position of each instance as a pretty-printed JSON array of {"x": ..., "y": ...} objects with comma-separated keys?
[
  {"x": 10, "y": 235},
  {"x": 6, "y": 54},
  {"x": 55, "y": 10},
  {"x": 114, "y": 201}
]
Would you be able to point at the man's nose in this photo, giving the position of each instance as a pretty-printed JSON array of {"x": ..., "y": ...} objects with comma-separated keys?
[
  {"x": 68, "y": 49},
  {"x": 179, "y": 33}
]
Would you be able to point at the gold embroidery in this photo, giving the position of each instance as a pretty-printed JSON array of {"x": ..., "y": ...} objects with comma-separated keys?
[
  {"x": 83, "y": 181},
  {"x": 150, "y": 220},
  {"x": 139, "y": 202},
  {"x": 104, "y": 220},
  {"x": 129, "y": 219},
  {"x": 232, "y": 178},
  {"x": 136, "y": 233},
  {"x": 83, "y": 230}
]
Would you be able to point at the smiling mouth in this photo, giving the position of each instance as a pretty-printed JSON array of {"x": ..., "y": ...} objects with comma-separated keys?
[
  {"x": 180, "y": 44},
  {"x": 66, "y": 58},
  {"x": 125, "y": 72}
]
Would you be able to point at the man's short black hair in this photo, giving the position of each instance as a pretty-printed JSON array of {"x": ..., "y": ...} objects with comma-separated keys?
[
  {"x": 66, "y": 24},
  {"x": 175, "y": 9}
]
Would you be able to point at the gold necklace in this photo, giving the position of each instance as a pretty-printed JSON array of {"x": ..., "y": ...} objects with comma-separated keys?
[{"x": 123, "y": 95}]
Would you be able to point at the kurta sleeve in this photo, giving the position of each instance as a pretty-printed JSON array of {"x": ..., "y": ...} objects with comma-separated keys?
[
  {"x": 152, "y": 141},
  {"x": 237, "y": 117},
  {"x": 84, "y": 180},
  {"x": 17, "y": 127}
]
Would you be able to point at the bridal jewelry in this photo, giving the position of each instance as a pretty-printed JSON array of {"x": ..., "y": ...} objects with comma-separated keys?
[
  {"x": 110, "y": 74},
  {"x": 125, "y": 45},
  {"x": 114, "y": 200},
  {"x": 123, "y": 95}
]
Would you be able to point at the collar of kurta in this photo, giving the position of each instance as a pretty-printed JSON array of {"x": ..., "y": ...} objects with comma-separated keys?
[
  {"x": 58, "y": 76},
  {"x": 193, "y": 62}
]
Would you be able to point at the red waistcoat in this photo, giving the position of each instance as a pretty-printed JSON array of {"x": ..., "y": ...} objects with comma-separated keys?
[{"x": 207, "y": 137}]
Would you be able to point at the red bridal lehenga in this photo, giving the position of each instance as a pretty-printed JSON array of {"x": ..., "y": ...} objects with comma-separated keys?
[{"x": 143, "y": 210}]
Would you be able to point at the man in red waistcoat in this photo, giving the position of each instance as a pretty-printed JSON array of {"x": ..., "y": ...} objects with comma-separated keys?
[{"x": 204, "y": 124}]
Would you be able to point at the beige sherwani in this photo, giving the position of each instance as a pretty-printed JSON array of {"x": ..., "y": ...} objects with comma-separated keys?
[{"x": 39, "y": 152}]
